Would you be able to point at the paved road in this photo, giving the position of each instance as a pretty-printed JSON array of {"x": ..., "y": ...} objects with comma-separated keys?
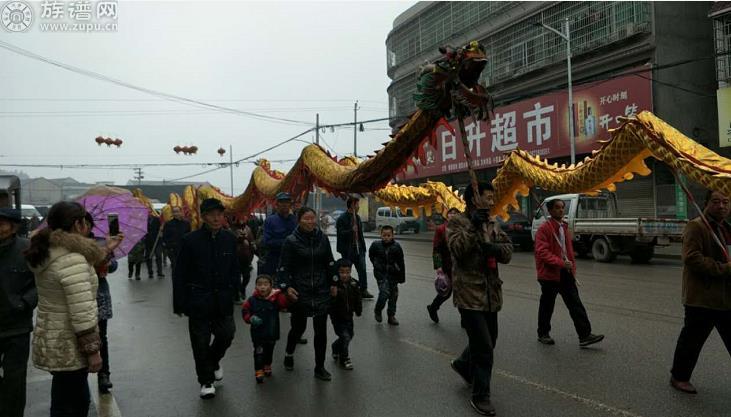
[{"x": 404, "y": 371}]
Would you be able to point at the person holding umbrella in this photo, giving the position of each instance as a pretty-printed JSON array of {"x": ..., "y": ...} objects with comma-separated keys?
[
  {"x": 205, "y": 281},
  {"x": 66, "y": 338}
]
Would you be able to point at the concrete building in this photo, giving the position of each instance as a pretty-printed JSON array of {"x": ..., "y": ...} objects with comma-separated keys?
[
  {"x": 45, "y": 192},
  {"x": 721, "y": 15},
  {"x": 626, "y": 57}
]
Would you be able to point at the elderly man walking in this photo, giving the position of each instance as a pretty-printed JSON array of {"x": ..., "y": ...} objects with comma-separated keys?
[
  {"x": 205, "y": 280},
  {"x": 706, "y": 287}
]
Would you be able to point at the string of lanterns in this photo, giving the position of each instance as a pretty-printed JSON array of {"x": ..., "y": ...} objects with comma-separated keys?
[{"x": 108, "y": 141}]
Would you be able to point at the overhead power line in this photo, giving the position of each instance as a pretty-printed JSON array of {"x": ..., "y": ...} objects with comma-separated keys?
[{"x": 167, "y": 96}]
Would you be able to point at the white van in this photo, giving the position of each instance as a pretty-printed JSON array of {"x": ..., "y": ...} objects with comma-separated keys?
[
  {"x": 28, "y": 211},
  {"x": 397, "y": 219}
]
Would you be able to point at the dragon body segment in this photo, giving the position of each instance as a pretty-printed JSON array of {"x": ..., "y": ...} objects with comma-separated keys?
[{"x": 618, "y": 159}]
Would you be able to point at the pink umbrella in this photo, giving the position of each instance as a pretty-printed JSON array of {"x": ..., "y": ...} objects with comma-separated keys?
[{"x": 101, "y": 200}]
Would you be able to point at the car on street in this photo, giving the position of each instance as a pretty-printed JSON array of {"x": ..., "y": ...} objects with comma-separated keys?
[
  {"x": 518, "y": 229},
  {"x": 399, "y": 220}
]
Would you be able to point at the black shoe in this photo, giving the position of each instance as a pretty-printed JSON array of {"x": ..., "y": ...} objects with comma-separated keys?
[
  {"x": 137, "y": 278},
  {"x": 681, "y": 386},
  {"x": 483, "y": 406},
  {"x": 546, "y": 340},
  {"x": 160, "y": 275},
  {"x": 322, "y": 374},
  {"x": 288, "y": 362},
  {"x": 590, "y": 339},
  {"x": 378, "y": 316},
  {"x": 392, "y": 321},
  {"x": 366, "y": 295},
  {"x": 462, "y": 373},
  {"x": 104, "y": 383},
  {"x": 302, "y": 341},
  {"x": 150, "y": 276},
  {"x": 433, "y": 315}
]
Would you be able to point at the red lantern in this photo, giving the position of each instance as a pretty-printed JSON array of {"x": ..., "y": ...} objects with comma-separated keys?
[
  {"x": 185, "y": 150},
  {"x": 177, "y": 149},
  {"x": 99, "y": 140},
  {"x": 118, "y": 142},
  {"x": 193, "y": 149},
  {"x": 221, "y": 151},
  {"x": 109, "y": 141}
]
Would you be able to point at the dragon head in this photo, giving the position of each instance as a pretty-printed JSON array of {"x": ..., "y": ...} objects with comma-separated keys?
[{"x": 451, "y": 84}]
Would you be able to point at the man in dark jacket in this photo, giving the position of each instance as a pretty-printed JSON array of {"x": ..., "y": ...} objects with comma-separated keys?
[
  {"x": 477, "y": 246},
  {"x": 18, "y": 298},
  {"x": 706, "y": 287},
  {"x": 172, "y": 235},
  {"x": 153, "y": 246},
  {"x": 276, "y": 228},
  {"x": 205, "y": 281},
  {"x": 351, "y": 243}
]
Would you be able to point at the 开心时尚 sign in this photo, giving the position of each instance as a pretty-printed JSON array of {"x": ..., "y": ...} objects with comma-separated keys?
[{"x": 538, "y": 125}]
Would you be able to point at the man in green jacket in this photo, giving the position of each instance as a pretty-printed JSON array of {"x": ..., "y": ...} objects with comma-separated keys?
[
  {"x": 477, "y": 245},
  {"x": 706, "y": 287}
]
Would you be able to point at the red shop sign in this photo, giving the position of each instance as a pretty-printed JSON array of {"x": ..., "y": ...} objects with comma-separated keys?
[{"x": 539, "y": 125}]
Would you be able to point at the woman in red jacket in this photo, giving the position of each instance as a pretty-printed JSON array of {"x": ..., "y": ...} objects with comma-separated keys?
[
  {"x": 442, "y": 266},
  {"x": 556, "y": 267}
]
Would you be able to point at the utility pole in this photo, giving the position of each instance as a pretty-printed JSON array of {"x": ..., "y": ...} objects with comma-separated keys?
[
  {"x": 355, "y": 129},
  {"x": 565, "y": 34},
  {"x": 138, "y": 175},
  {"x": 231, "y": 166}
]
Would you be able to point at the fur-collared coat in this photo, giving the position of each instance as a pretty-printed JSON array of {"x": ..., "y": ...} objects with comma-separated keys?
[
  {"x": 475, "y": 279},
  {"x": 66, "y": 329}
]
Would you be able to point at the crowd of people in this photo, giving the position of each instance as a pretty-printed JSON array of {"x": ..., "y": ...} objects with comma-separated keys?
[{"x": 62, "y": 274}]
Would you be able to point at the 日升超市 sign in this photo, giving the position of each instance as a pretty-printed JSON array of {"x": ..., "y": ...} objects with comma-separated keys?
[{"x": 538, "y": 125}]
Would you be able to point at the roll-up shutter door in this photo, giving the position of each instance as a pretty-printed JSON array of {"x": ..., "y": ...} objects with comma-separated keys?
[{"x": 636, "y": 198}]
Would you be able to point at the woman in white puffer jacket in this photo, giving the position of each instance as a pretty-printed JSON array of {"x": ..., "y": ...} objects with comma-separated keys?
[{"x": 66, "y": 337}]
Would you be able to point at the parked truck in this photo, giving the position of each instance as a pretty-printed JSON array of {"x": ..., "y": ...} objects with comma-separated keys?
[{"x": 597, "y": 230}]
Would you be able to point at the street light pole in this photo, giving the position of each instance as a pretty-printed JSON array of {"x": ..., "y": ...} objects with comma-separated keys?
[
  {"x": 231, "y": 166},
  {"x": 565, "y": 34},
  {"x": 355, "y": 129}
]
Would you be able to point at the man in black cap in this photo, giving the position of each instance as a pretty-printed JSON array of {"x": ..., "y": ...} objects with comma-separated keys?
[
  {"x": 18, "y": 298},
  {"x": 205, "y": 280},
  {"x": 277, "y": 227}
]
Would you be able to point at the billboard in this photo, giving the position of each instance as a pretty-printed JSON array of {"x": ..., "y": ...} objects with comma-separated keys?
[
  {"x": 539, "y": 125},
  {"x": 724, "y": 116}
]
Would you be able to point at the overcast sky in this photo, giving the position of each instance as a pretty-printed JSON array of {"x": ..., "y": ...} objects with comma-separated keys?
[{"x": 284, "y": 59}]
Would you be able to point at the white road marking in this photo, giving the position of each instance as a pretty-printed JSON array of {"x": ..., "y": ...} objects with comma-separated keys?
[
  {"x": 595, "y": 404},
  {"x": 106, "y": 405}
]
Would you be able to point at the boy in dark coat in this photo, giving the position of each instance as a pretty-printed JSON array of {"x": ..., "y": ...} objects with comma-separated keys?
[
  {"x": 261, "y": 311},
  {"x": 387, "y": 258},
  {"x": 347, "y": 301}
]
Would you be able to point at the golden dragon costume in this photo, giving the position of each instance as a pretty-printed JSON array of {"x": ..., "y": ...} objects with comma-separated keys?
[{"x": 450, "y": 86}]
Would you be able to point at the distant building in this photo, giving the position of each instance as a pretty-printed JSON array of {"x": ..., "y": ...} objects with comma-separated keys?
[
  {"x": 45, "y": 192},
  {"x": 160, "y": 190},
  {"x": 627, "y": 56}
]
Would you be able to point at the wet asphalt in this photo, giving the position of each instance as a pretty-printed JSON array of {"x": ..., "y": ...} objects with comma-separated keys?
[{"x": 404, "y": 370}]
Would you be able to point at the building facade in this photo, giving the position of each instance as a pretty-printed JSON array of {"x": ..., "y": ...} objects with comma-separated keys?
[{"x": 626, "y": 57}]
